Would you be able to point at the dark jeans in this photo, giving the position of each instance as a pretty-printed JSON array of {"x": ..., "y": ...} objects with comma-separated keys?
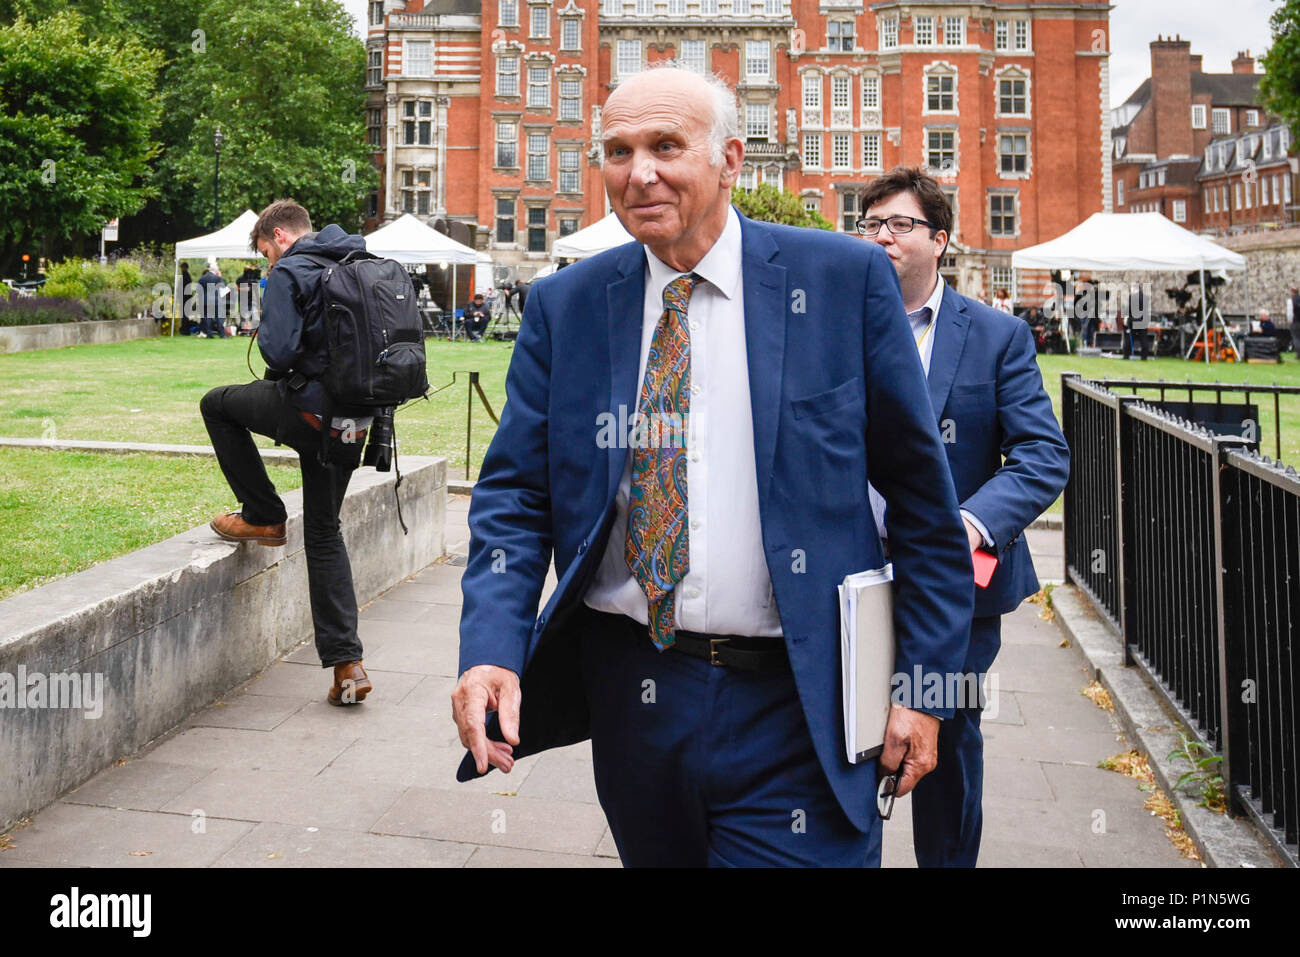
[
  {"x": 230, "y": 413},
  {"x": 475, "y": 324},
  {"x": 214, "y": 327}
]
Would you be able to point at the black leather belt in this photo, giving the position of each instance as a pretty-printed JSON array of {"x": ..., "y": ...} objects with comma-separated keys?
[{"x": 731, "y": 651}]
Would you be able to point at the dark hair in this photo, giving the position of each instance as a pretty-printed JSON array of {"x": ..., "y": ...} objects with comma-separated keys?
[
  {"x": 283, "y": 213},
  {"x": 912, "y": 179}
]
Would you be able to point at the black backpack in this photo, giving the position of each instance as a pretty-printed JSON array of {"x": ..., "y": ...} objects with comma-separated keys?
[{"x": 373, "y": 331}]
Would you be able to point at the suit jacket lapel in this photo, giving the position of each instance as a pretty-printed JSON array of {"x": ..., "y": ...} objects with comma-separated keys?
[
  {"x": 950, "y": 329},
  {"x": 625, "y": 304},
  {"x": 766, "y": 301}
]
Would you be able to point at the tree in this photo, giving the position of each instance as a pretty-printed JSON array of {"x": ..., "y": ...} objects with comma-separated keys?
[
  {"x": 774, "y": 205},
  {"x": 1279, "y": 87},
  {"x": 285, "y": 83},
  {"x": 77, "y": 116}
]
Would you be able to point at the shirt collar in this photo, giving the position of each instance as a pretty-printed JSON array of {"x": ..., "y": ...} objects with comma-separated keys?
[
  {"x": 936, "y": 298},
  {"x": 720, "y": 266}
]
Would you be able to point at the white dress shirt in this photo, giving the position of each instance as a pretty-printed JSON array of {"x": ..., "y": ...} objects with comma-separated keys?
[
  {"x": 726, "y": 590},
  {"x": 925, "y": 323}
]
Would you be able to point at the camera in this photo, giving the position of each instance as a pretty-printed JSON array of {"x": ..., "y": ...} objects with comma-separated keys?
[{"x": 379, "y": 450}]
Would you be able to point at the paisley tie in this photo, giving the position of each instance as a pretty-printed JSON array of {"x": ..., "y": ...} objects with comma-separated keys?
[{"x": 657, "y": 549}]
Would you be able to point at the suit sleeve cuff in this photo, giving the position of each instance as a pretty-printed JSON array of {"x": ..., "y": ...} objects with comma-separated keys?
[{"x": 979, "y": 527}]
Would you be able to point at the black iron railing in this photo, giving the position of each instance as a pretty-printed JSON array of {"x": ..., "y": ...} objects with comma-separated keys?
[{"x": 1188, "y": 542}]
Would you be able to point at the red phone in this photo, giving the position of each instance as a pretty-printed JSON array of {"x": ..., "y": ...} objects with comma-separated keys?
[{"x": 986, "y": 563}]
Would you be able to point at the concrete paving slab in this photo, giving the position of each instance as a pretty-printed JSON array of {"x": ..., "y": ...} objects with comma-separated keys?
[
  {"x": 1067, "y": 711},
  {"x": 250, "y": 711},
  {"x": 420, "y": 656},
  {"x": 519, "y": 822},
  {"x": 286, "y": 845},
  {"x": 561, "y": 778},
  {"x": 290, "y": 679},
  {"x": 437, "y": 593},
  {"x": 72, "y": 835},
  {"x": 140, "y": 785},
  {"x": 286, "y": 797},
  {"x": 433, "y": 694},
  {"x": 1010, "y": 853},
  {"x": 1019, "y": 779},
  {"x": 415, "y": 763},
  {"x": 515, "y": 857},
  {"x": 607, "y": 847},
  {"x": 1005, "y": 709},
  {"x": 390, "y": 609},
  {"x": 308, "y": 748}
]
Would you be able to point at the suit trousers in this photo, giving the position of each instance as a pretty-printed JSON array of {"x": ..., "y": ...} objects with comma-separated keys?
[
  {"x": 698, "y": 765},
  {"x": 947, "y": 812},
  {"x": 231, "y": 413}
]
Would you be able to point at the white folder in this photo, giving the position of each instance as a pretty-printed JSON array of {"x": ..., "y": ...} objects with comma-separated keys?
[{"x": 867, "y": 658}]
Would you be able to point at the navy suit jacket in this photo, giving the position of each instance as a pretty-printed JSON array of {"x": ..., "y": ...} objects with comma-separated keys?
[
  {"x": 838, "y": 397},
  {"x": 1008, "y": 458}
]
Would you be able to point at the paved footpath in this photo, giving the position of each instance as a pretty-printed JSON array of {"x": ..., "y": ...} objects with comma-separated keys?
[{"x": 274, "y": 777}]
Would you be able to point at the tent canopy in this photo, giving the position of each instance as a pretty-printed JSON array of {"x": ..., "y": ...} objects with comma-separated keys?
[
  {"x": 230, "y": 241},
  {"x": 410, "y": 241},
  {"x": 596, "y": 238},
  {"x": 1117, "y": 242}
]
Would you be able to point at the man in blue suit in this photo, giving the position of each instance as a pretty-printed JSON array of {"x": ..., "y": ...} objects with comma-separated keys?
[
  {"x": 1009, "y": 462},
  {"x": 694, "y": 452}
]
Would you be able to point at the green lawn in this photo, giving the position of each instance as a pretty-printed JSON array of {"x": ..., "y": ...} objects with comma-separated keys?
[
  {"x": 148, "y": 390},
  {"x": 61, "y": 512}
]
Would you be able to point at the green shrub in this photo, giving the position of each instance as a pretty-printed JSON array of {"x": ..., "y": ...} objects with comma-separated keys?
[
  {"x": 81, "y": 278},
  {"x": 116, "y": 303},
  {"x": 4, "y": 291},
  {"x": 16, "y": 310}
]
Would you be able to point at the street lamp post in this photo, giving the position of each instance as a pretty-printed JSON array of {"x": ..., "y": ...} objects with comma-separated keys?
[{"x": 217, "y": 140}]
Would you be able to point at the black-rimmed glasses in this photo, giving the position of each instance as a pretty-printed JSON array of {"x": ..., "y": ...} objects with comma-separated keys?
[
  {"x": 898, "y": 225},
  {"x": 885, "y": 793}
]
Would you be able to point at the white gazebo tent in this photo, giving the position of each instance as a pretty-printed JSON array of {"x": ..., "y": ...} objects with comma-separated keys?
[
  {"x": 1121, "y": 242},
  {"x": 411, "y": 242},
  {"x": 596, "y": 238},
  {"x": 230, "y": 240}
]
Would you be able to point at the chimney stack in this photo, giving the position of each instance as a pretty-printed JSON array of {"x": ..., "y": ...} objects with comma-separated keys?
[
  {"x": 1171, "y": 95},
  {"x": 1196, "y": 63},
  {"x": 1245, "y": 63}
]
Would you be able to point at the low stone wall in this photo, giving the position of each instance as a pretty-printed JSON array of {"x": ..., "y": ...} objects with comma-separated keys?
[
  {"x": 157, "y": 635},
  {"x": 55, "y": 335}
]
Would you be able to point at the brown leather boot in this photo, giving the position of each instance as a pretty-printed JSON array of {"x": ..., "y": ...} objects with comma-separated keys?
[
  {"x": 233, "y": 528},
  {"x": 351, "y": 684}
]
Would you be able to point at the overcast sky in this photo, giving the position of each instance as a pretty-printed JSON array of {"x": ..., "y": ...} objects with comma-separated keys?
[{"x": 1216, "y": 28}]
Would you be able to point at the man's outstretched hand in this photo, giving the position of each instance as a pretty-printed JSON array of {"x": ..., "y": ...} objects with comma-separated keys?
[
  {"x": 481, "y": 689},
  {"x": 912, "y": 738}
]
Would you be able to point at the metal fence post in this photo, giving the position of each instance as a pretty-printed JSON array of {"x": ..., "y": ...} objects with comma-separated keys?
[
  {"x": 1228, "y": 517},
  {"x": 1071, "y": 441},
  {"x": 1126, "y": 572}
]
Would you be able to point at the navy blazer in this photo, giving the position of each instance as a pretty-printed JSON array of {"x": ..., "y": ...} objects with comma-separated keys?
[
  {"x": 1008, "y": 457},
  {"x": 838, "y": 397}
]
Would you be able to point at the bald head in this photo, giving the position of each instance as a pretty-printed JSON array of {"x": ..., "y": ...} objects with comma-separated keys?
[{"x": 708, "y": 93}]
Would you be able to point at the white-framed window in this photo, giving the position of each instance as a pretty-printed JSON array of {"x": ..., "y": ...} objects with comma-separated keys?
[
  {"x": 923, "y": 35},
  {"x": 1013, "y": 154},
  {"x": 570, "y": 170},
  {"x": 508, "y": 76},
  {"x": 940, "y": 90},
  {"x": 677, "y": 8},
  {"x": 888, "y": 33},
  {"x": 812, "y": 204},
  {"x": 1180, "y": 210},
  {"x": 570, "y": 34},
  {"x": 841, "y": 97},
  {"x": 629, "y": 57},
  {"x": 1236, "y": 195},
  {"x": 1277, "y": 189},
  {"x": 538, "y": 156},
  {"x": 812, "y": 151},
  {"x": 1002, "y": 214},
  {"x": 850, "y": 210},
  {"x": 375, "y": 67},
  {"x": 507, "y": 144},
  {"x": 1002, "y": 35},
  {"x": 417, "y": 191},
  {"x": 1286, "y": 189},
  {"x": 508, "y": 13},
  {"x": 757, "y": 121},
  {"x": 708, "y": 8},
  {"x": 539, "y": 22},
  {"x": 773, "y": 8},
  {"x": 747, "y": 179},
  {"x": 1020, "y": 40},
  {"x": 417, "y": 122},
  {"x": 568, "y": 225},
  {"x": 1002, "y": 277},
  {"x": 871, "y": 92},
  {"x": 740, "y": 7},
  {"x": 1198, "y": 116},
  {"x": 812, "y": 92},
  {"x": 941, "y": 150},
  {"x": 1119, "y": 192},
  {"x": 758, "y": 59},
  {"x": 1013, "y": 94},
  {"x": 416, "y": 58},
  {"x": 871, "y": 150},
  {"x": 376, "y": 14},
  {"x": 841, "y": 150},
  {"x": 693, "y": 55},
  {"x": 840, "y": 35},
  {"x": 537, "y": 229},
  {"x": 539, "y": 86},
  {"x": 505, "y": 219},
  {"x": 645, "y": 8},
  {"x": 375, "y": 127},
  {"x": 1160, "y": 176},
  {"x": 1220, "y": 121},
  {"x": 570, "y": 99},
  {"x": 1252, "y": 117},
  {"x": 1263, "y": 191},
  {"x": 954, "y": 31}
]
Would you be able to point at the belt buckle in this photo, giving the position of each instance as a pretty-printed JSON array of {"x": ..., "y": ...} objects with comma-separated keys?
[{"x": 714, "y": 644}]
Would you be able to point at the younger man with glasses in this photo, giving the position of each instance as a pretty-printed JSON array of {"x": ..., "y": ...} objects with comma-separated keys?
[{"x": 1008, "y": 460}]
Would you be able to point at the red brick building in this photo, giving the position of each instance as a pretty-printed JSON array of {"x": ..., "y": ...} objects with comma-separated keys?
[{"x": 996, "y": 97}]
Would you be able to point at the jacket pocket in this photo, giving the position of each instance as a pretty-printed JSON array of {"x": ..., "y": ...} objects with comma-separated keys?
[{"x": 844, "y": 394}]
